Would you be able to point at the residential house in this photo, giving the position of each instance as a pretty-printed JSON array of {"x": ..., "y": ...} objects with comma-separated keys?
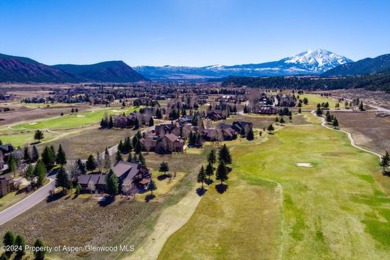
[
  {"x": 6, "y": 184},
  {"x": 133, "y": 177}
]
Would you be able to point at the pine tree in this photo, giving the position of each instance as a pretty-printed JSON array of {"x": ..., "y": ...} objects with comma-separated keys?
[
  {"x": 270, "y": 128},
  {"x": 110, "y": 123},
  {"x": 201, "y": 176},
  {"x": 40, "y": 172},
  {"x": 151, "y": 121},
  {"x": 361, "y": 106},
  {"x": 20, "y": 243},
  {"x": 127, "y": 147},
  {"x": 29, "y": 173},
  {"x": 48, "y": 157},
  {"x": 34, "y": 154},
  {"x": 335, "y": 122},
  {"x": 38, "y": 135},
  {"x": 121, "y": 147},
  {"x": 221, "y": 172},
  {"x": 62, "y": 179},
  {"x": 118, "y": 157},
  {"x": 152, "y": 187},
  {"x": 39, "y": 254},
  {"x": 385, "y": 160},
  {"x": 26, "y": 154},
  {"x": 209, "y": 170},
  {"x": 81, "y": 166},
  {"x": 8, "y": 242},
  {"x": 158, "y": 114},
  {"x": 211, "y": 157},
  {"x": 91, "y": 163},
  {"x": 250, "y": 136},
  {"x": 12, "y": 164},
  {"x": 138, "y": 147},
  {"x": 107, "y": 159},
  {"x": 164, "y": 167},
  {"x": 61, "y": 157},
  {"x": 112, "y": 183},
  {"x": 224, "y": 155}
]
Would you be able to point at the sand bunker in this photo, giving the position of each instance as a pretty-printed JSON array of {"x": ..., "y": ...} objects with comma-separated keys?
[
  {"x": 116, "y": 111},
  {"x": 32, "y": 123},
  {"x": 304, "y": 165},
  {"x": 80, "y": 116}
]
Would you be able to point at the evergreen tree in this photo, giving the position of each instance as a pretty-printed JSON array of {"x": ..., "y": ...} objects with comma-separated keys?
[
  {"x": 26, "y": 154},
  {"x": 138, "y": 147},
  {"x": 112, "y": 183},
  {"x": 118, "y": 157},
  {"x": 224, "y": 155},
  {"x": 335, "y": 123},
  {"x": 152, "y": 187},
  {"x": 29, "y": 172},
  {"x": 385, "y": 160},
  {"x": 8, "y": 242},
  {"x": 40, "y": 172},
  {"x": 39, "y": 254},
  {"x": 201, "y": 176},
  {"x": 48, "y": 157},
  {"x": 277, "y": 119},
  {"x": 53, "y": 151},
  {"x": 158, "y": 114},
  {"x": 319, "y": 111},
  {"x": 270, "y": 128},
  {"x": 121, "y": 147},
  {"x": 12, "y": 164},
  {"x": 61, "y": 157},
  {"x": 250, "y": 135},
  {"x": 127, "y": 147},
  {"x": 209, "y": 170},
  {"x": 62, "y": 179},
  {"x": 110, "y": 123},
  {"x": 91, "y": 163},
  {"x": 38, "y": 135},
  {"x": 151, "y": 121},
  {"x": 107, "y": 159},
  {"x": 34, "y": 154},
  {"x": 103, "y": 123},
  {"x": 299, "y": 110},
  {"x": 212, "y": 157},
  {"x": 164, "y": 167},
  {"x": 20, "y": 243},
  {"x": 81, "y": 166},
  {"x": 221, "y": 172},
  {"x": 361, "y": 106}
]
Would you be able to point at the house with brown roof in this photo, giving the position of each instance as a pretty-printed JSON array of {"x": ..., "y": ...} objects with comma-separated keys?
[
  {"x": 133, "y": 177},
  {"x": 170, "y": 143},
  {"x": 6, "y": 184}
]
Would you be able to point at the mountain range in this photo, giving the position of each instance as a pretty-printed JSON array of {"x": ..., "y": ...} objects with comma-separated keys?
[
  {"x": 25, "y": 70},
  {"x": 312, "y": 62},
  {"x": 315, "y": 63}
]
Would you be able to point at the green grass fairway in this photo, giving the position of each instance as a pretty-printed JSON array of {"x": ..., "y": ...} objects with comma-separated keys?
[
  {"x": 72, "y": 120},
  {"x": 333, "y": 210},
  {"x": 315, "y": 99}
]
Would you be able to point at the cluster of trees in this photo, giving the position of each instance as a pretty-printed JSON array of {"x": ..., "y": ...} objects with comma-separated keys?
[
  {"x": 129, "y": 145},
  {"x": 369, "y": 82},
  {"x": 331, "y": 119},
  {"x": 16, "y": 245},
  {"x": 107, "y": 122},
  {"x": 38, "y": 135},
  {"x": 195, "y": 139},
  {"x": 224, "y": 158}
]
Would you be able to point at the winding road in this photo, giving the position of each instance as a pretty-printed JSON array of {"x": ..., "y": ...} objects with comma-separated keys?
[{"x": 27, "y": 203}]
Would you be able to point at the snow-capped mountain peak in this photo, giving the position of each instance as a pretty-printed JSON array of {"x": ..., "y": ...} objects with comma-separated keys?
[{"x": 317, "y": 60}]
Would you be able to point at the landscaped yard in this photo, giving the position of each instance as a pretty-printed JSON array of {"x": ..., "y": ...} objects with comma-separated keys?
[{"x": 339, "y": 208}]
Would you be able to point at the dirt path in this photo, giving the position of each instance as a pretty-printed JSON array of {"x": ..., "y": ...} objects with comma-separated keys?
[
  {"x": 170, "y": 220},
  {"x": 349, "y": 136}
]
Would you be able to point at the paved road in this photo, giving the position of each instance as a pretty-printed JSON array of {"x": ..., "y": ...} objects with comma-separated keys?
[{"x": 27, "y": 203}]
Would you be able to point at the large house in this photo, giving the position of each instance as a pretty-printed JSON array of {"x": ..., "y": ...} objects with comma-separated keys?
[
  {"x": 6, "y": 184},
  {"x": 133, "y": 177}
]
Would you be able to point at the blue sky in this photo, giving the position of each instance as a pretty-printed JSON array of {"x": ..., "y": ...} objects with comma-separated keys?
[{"x": 191, "y": 32}]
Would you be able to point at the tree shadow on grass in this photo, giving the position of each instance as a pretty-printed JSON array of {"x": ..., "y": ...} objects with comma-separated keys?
[
  {"x": 149, "y": 197},
  {"x": 201, "y": 191},
  {"x": 164, "y": 176},
  {"x": 221, "y": 188},
  {"x": 55, "y": 196},
  {"x": 106, "y": 200},
  {"x": 209, "y": 181}
]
